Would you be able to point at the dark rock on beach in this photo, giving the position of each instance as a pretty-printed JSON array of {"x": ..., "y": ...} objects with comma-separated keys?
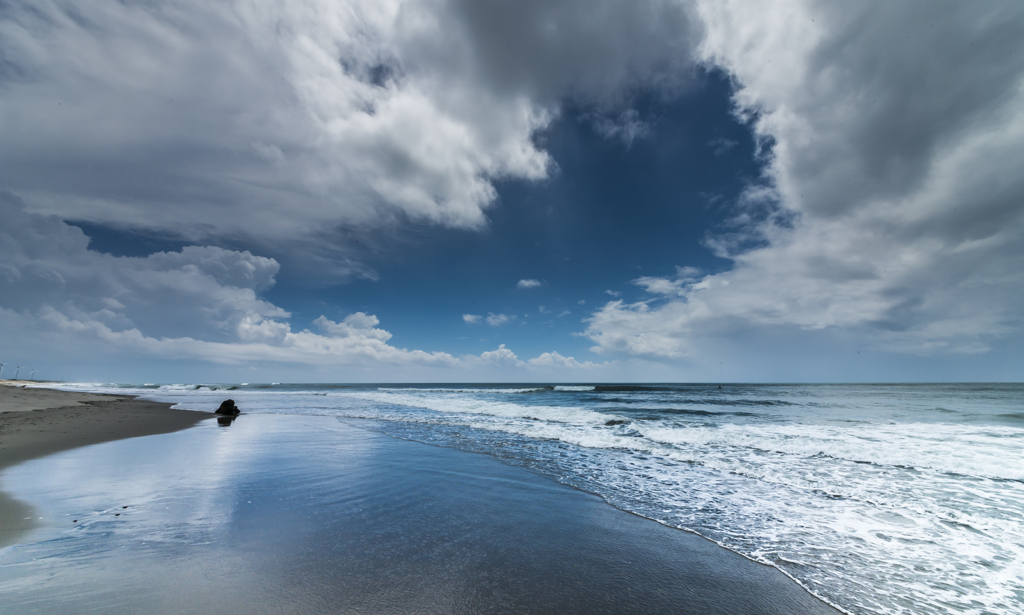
[{"x": 228, "y": 407}]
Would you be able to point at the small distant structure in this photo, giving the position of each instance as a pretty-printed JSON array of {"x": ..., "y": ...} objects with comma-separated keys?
[
  {"x": 2, "y": 368},
  {"x": 18, "y": 369},
  {"x": 32, "y": 376}
]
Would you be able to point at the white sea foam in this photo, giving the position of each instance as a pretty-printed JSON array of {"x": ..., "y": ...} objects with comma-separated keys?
[
  {"x": 474, "y": 391},
  {"x": 990, "y": 451},
  {"x": 445, "y": 401},
  {"x": 180, "y": 387}
]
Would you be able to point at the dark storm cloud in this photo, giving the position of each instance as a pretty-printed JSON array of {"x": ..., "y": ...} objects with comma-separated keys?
[
  {"x": 902, "y": 82},
  {"x": 596, "y": 50}
]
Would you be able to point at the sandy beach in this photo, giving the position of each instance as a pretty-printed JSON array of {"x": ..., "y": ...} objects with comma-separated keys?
[
  {"x": 35, "y": 422},
  {"x": 309, "y": 514}
]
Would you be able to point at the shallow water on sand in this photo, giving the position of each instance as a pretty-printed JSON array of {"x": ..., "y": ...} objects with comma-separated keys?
[
  {"x": 878, "y": 498},
  {"x": 309, "y": 515}
]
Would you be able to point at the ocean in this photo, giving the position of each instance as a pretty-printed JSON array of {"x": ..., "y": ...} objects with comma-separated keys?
[{"x": 877, "y": 498}]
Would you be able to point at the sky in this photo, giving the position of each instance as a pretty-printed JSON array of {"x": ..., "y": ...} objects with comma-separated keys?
[{"x": 533, "y": 191}]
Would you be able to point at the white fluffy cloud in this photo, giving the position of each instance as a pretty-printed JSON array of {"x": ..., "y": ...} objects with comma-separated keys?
[
  {"x": 553, "y": 359},
  {"x": 502, "y": 357},
  {"x": 496, "y": 320},
  {"x": 278, "y": 120},
  {"x": 893, "y": 203},
  {"x": 525, "y": 283},
  {"x": 199, "y": 291},
  {"x": 199, "y": 304}
]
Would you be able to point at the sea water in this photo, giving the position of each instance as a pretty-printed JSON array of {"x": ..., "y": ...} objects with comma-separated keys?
[{"x": 876, "y": 498}]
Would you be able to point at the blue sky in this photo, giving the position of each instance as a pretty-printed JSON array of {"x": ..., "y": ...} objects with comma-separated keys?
[{"x": 537, "y": 191}]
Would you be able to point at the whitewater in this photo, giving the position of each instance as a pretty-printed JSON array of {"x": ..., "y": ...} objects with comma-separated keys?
[{"x": 877, "y": 498}]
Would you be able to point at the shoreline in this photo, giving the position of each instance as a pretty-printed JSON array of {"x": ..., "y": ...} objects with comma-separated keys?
[
  {"x": 307, "y": 514},
  {"x": 37, "y": 422}
]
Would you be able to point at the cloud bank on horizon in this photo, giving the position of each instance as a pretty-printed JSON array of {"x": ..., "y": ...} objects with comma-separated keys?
[
  {"x": 890, "y": 204},
  {"x": 197, "y": 304}
]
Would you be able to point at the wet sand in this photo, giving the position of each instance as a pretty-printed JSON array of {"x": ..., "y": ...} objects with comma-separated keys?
[
  {"x": 299, "y": 514},
  {"x": 36, "y": 422}
]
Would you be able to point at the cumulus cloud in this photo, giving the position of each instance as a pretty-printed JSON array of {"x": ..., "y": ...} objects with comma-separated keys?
[
  {"x": 891, "y": 201},
  {"x": 892, "y": 204},
  {"x": 669, "y": 286},
  {"x": 553, "y": 359},
  {"x": 200, "y": 303},
  {"x": 502, "y": 357},
  {"x": 496, "y": 320},
  {"x": 277, "y": 120},
  {"x": 199, "y": 291},
  {"x": 527, "y": 284},
  {"x": 471, "y": 318}
]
